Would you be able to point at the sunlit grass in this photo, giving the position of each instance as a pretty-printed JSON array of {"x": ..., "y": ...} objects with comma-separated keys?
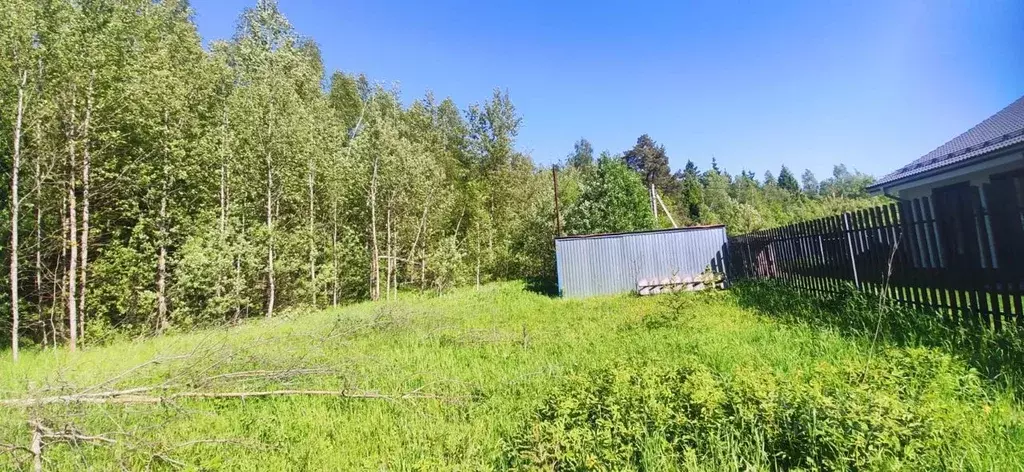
[{"x": 495, "y": 356}]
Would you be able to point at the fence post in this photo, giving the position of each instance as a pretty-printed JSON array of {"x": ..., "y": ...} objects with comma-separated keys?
[
  {"x": 849, "y": 243},
  {"x": 750, "y": 259}
]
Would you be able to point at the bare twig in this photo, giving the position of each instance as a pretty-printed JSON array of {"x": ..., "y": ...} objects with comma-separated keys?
[
  {"x": 881, "y": 301},
  {"x": 199, "y": 442},
  {"x": 12, "y": 448},
  {"x": 159, "y": 360},
  {"x": 131, "y": 396},
  {"x": 269, "y": 374},
  {"x": 68, "y": 434},
  {"x": 37, "y": 448}
]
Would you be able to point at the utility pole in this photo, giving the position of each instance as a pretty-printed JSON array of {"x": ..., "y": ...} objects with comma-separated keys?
[
  {"x": 558, "y": 212},
  {"x": 654, "y": 204},
  {"x": 665, "y": 209}
]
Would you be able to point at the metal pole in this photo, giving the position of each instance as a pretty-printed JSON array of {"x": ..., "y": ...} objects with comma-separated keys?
[
  {"x": 558, "y": 212},
  {"x": 849, "y": 243}
]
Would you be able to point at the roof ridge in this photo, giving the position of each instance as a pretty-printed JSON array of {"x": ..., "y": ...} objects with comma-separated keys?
[{"x": 1002, "y": 126}]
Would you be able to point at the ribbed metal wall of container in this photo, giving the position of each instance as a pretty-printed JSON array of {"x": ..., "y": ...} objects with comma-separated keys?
[{"x": 613, "y": 263}]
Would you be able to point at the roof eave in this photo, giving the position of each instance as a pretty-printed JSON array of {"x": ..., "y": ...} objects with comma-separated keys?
[{"x": 879, "y": 188}]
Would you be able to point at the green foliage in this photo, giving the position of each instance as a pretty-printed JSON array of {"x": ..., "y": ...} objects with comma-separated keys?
[
  {"x": 692, "y": 197},
  {"x": 122, "y": 296},
  {"x": 787, "y": 181},
  {"x": 344, "y": 99},
  {"x": 447, "y": 265},
  {"x": 650, "y": 160},
  {"x": 235, "y": 181},
  {"x": 810, "y": 183},
  {"x": 904, "y": 411},
  {"x": 612, "y": 199},
  {"x": 229, "y": 182},
  {"x": 844, "y": 183},
  {"x": 582, "y": 156}
]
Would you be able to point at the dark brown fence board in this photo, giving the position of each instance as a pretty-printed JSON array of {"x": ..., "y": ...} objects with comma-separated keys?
[{"x": 961, "y": 262}]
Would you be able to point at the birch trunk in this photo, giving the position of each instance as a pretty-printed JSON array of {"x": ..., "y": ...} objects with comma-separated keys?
[
  {"x": 86, "y": 163},
  {"x": 223, "y": 202},
  {"x": 59, "y": 280},
  {"x": 236, "y": 287},
  {"x": 39, "y": 236},
  {"x": 221, "y": 230},
  {"x": 72, "y": 273},
  {"x": 271, "y": 284},
  {"x": 15, "y": 206},
  {"x": 312, "y": 235},
  {"x": 222, "y": 222},
  {"x": 388, "y": 251},
  {"x": 161, "y": 263},
  {"x": 415, "y": 242},
  {"x": 375, "y": 247},
  {"x": 334, "y": 253}
]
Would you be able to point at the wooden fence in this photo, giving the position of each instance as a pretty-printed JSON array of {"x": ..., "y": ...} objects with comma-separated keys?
[{"x": 950, "y": 254}]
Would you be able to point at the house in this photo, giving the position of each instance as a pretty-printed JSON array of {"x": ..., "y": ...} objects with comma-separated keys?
[{"x": 972, "y": 190}]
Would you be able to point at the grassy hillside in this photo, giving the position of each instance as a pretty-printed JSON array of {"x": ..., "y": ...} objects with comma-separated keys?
[{"x": 501, "y": 377}]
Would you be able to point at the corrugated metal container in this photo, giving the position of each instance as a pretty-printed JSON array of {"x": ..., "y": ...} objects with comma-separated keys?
[{"x": 613, "y": 263}]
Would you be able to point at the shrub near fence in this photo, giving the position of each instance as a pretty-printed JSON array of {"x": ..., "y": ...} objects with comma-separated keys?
[{"x": 964, "y": 262}]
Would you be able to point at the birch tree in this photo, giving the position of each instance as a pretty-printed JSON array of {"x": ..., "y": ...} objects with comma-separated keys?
[{"x": 16, "y": 22}]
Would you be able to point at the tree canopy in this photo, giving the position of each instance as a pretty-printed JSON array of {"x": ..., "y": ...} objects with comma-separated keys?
[{"x": 157, "y": 185}]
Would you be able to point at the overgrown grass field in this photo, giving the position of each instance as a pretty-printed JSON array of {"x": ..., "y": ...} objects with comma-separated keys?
[{"x": 500, "y": 378}]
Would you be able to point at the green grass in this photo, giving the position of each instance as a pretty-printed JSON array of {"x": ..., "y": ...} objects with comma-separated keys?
[{"x": 658, "y": 383}]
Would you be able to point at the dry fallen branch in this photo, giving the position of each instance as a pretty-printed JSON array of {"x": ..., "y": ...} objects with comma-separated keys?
[
  {"x": 157, "y": 361},
  {"x": 43, "y": 436},
  {"x": 132, "y": 396},
  {"x": 68, "y": 434},
  {"x": 268, "y": 374},
  {"x": 200, "y": 442}
]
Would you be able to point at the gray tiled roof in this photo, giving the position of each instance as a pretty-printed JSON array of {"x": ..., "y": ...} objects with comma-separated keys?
[{"x": 999, "y": 131}]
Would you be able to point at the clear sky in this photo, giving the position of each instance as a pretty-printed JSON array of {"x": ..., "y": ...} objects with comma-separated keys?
[{"x": 873, "y": 84}]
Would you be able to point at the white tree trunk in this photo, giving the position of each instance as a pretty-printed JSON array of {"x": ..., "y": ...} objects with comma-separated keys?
[
  {"x": 236, "y": 287},
  {"x": 15, "y": 206},
  {"x": 389, "y": 251},
  {"x": 271, "y": 284},
  {"x": 161, "y": 265},
  {"x": 162, "y": 227},
  {"x": 375, "y": 248},
  {"x": 86, "y": 163},
  {"x": 60, "y": 280},
  {"x": 312, "y": 235},
  {"x": 419, "y": 230},
  {"x": 72, "y": 273},
  {"x": 39, "y": 237},
  {"x": 222, "y": 223},
  {"x": 221, "y": 230},
  {"x": 334, "y": 253}
]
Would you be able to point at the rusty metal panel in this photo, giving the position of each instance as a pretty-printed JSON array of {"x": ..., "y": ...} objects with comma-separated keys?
[{"x": 613, "y": 263}]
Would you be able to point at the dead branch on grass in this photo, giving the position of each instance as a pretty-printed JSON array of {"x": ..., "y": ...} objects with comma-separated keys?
[
  {"x": 132, "y": 396},
  {"x": 44, "y": 436},
  {"x": 270, "y": 374}
]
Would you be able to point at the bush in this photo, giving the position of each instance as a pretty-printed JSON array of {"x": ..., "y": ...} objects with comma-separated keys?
[{"x": 905, "y": 409}]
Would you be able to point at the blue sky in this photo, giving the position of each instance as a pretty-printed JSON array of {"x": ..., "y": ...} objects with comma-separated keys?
[{"x": 873, "y": 84}]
